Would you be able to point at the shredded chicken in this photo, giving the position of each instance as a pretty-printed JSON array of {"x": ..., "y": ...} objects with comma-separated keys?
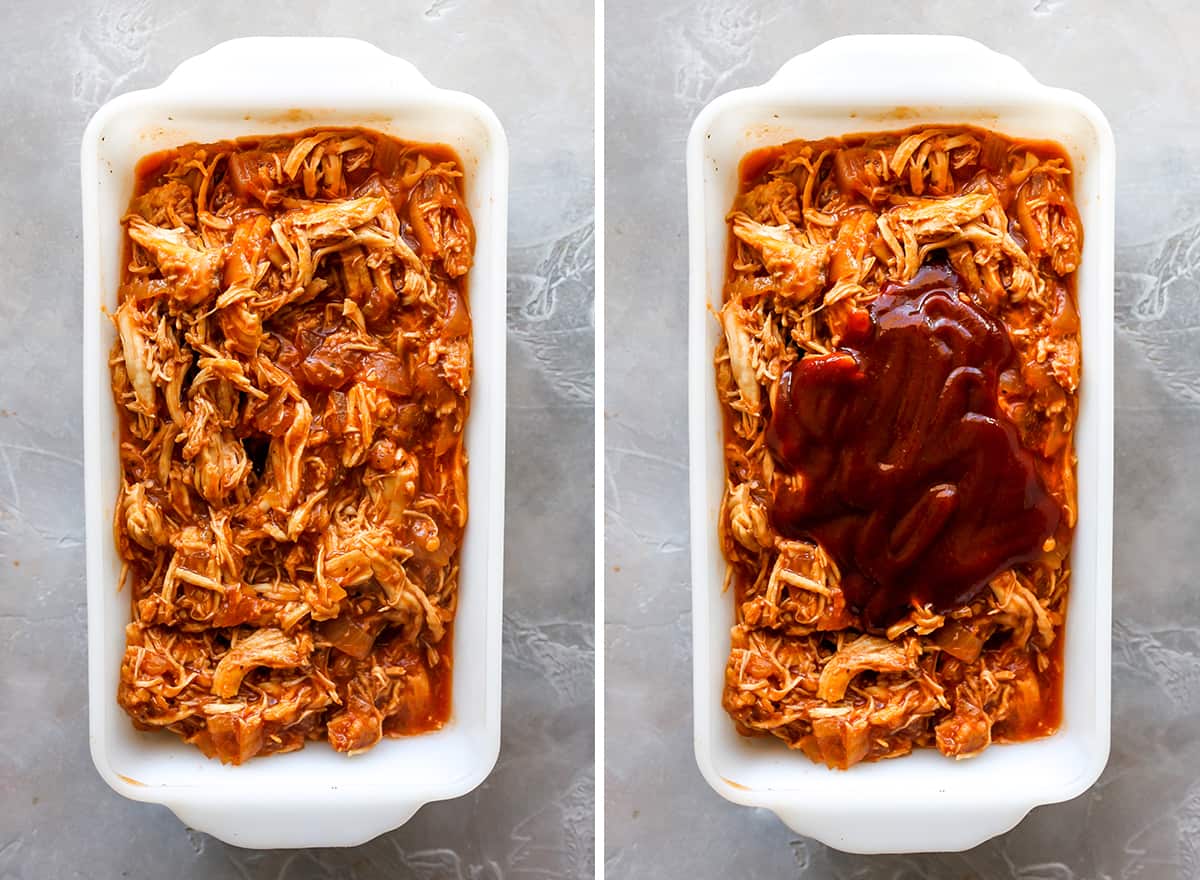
[
  {"x": 865, "y": 654},
  {"x": 292, "y": 370},
  {"x": 817, "y": 230}
]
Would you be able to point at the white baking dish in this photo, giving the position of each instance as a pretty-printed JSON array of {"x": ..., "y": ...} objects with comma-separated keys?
[
  {"x": 924, "y": 801},
  {"x": 313, "y": 797}
]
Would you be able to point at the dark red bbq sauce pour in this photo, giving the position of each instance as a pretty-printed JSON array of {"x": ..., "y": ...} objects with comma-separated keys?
[{"x": 905, "y": 470}]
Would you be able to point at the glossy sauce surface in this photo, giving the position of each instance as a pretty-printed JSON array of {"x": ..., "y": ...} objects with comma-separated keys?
[{"x": 897, "y": 459}]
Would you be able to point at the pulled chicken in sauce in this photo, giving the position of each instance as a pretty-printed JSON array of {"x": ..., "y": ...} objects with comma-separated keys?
[
  {"x": 292, "y": 374},
  {"x": 898, "y": 371}
]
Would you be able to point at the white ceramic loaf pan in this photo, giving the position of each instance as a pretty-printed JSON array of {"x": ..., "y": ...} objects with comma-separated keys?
[
  {"x": 925, "y": 801},
  {"x": 313, "y": 797}
]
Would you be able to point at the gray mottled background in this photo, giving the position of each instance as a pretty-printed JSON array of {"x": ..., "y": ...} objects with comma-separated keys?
[
  {"x": 1139, "y": 63},
  {"x": 532, "y": 62}
]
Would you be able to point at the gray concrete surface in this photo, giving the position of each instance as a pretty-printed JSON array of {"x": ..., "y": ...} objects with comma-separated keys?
[
  {"x": 1137, "y": 61},
  {"x": 532, "y": 62}
]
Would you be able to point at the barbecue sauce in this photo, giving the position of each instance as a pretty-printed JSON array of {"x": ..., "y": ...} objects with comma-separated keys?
[{"x": 896, "y": 458}]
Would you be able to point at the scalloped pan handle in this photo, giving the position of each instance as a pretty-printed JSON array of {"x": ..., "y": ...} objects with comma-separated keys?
[
  {"x": 321, "y": 67},
  {"x": 882, "y": 67},
  {"x": 280, "y": 825},
  {"x": 927, "y": 828}
]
